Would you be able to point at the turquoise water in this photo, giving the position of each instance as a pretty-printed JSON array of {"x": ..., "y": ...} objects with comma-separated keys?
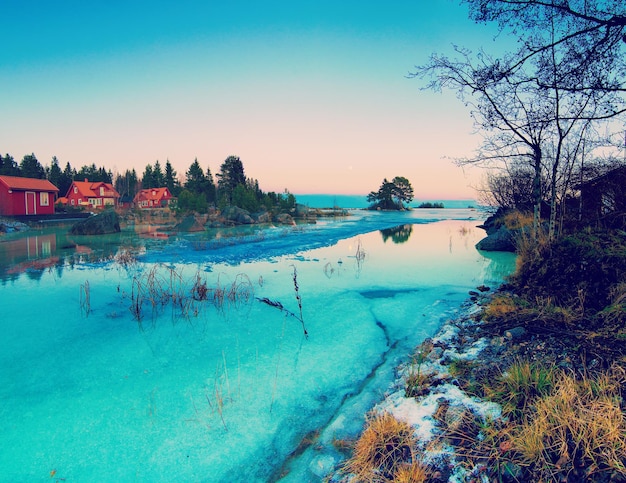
[
  {"x": 360, "y": 201},
  {"x": 116, "y": 368}
]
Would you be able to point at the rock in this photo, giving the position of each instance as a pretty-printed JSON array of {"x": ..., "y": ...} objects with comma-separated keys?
[
  {"x": 515, "y": 333},
  {"x": 285, "y": 219},
  {"x": 189, "y": 224},
  {"x": 7, "y": 226},
  {"x": 262, "y": 217},
  {"x": 501, "y": 240},
  {"x": 302, "y": 211},
  {"x": 106, "y": 222},
  {"x": 237, "y": 215}
]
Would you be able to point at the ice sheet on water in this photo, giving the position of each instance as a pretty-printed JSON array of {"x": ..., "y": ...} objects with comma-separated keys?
[
  {"x": 264, "y": 242},
  {"x": 226, "y": 393}
]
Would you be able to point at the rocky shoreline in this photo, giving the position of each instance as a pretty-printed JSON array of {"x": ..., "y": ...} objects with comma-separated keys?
[
  {"x": 420, "y": 405},
  {"x": 429, "y": 391}
]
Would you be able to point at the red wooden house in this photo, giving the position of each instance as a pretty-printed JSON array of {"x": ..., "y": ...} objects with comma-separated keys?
[
  {"x": 92, "y": 195},
  {"x": 153, "y": 198},
  {"x": 26, "y": 196}
]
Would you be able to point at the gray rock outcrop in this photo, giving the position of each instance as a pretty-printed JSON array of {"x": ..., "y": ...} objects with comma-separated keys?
[
  {"x": 237, "y": 216},
  {"x": 100, "y": 224},
  {"x": 189, "y": 224},
  {"x": 500, "y": 240}
]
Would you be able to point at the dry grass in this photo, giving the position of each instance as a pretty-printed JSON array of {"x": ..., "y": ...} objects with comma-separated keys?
[
  {"x": 516, "y": 220},
  {"x": 522, "y": 383},
  {"x": 162, "y": 286},
  {"x": 531, "y": 246},
  {"x": 578, "y": 430},
  {"x": 383, "y": 450},
  {"x": 500, "y": 306},
  {"x": 125, "y": 257},
  {"x": 412, "y": 473}
]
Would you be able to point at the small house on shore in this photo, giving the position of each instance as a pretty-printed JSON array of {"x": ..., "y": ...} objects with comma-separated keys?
[
  {"x": 92, "y": 195},
  {"x": 153, "y": 198},
  {"x": 26, "y": 196},
  {"x": 603, "y": 199}
]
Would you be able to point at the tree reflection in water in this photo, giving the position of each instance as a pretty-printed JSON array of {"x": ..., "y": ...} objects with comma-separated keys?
[{"x": 398, "y": 234}]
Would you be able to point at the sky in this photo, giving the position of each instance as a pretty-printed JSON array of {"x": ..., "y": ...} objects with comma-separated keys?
[{"x": 313, "y": 96}]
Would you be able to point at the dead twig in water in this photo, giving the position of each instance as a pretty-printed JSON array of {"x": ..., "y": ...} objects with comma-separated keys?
[{"x": 276, "y": 304}]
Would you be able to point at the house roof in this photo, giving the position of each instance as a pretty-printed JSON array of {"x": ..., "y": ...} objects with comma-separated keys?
[
  {"x": 154, "y": 194},
  {"x": 30, "y": 184},
  {"x": 90, "y": 189}
]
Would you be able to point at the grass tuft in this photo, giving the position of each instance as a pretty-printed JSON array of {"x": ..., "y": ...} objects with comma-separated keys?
[
  {"x": 577, "y": 431},
  {"x": 384, "y": 448}
]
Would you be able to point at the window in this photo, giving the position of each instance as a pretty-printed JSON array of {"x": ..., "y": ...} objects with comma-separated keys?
[
  {"x": 43, "y": 199},
  {"x": 75, "y": 189},
  {"x": 101, "y": 190}
]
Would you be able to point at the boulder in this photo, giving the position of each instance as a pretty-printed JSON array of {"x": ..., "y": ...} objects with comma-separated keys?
[
  {"x": 189, "y": 224},
  {"x": 285, "y": 219},
  {"x": 302, "y": 211},
  {"x": 100, "y": 224},
  {"x": 262, "y": 217},
  {"x": 237, "y": 215},
  {"x": 8, "y": 226},
  {"x": 500, "y": 240}
]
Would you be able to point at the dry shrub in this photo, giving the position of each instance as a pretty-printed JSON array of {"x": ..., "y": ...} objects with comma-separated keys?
[
  {"x": 412, "y": 473},
  {"x": 516, "y": 220},
  {"x": 384, "y": 448},
  {"x": 531, "y": 247},
  {"x": 500, "y": 306},
  {"x": 577, "y": 431},
  {"x": 125, "y": 257},
  {"x": 613, "y": 316}
]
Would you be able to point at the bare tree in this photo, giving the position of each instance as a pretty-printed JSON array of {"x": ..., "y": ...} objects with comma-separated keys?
[
  {"x": 508, "y": 108},
  {"x": 590, "y": 34},
  {"x": 565, "y": 77}
]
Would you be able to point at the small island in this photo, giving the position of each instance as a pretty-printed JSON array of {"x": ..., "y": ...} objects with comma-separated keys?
[{"x": 392, "y": 195}]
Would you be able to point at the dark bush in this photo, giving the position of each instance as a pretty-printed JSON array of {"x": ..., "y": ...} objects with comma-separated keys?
[{"x": 582, "y": 267}]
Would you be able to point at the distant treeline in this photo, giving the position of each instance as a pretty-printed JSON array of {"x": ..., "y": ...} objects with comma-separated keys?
[
  {"x": 429, "y": 204},
  {"x": 197, "y": 192}
]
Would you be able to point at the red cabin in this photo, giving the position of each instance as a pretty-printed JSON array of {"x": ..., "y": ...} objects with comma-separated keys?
[
  {"x": 92, "y": 195},
  {"x": 26, "y": 196},
  {"x": 153, "y": 198}
]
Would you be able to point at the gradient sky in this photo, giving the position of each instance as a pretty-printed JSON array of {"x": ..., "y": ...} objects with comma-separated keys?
[{"x": 313, "y": 96}]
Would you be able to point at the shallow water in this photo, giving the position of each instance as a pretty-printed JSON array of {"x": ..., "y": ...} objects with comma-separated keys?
[{"x": 114, "y": 371}]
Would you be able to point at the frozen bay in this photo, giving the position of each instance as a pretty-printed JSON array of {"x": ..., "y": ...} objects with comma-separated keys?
[{"x": 223, "y": 389}]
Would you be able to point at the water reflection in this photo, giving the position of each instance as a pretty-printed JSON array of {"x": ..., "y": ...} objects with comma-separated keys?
[
  {"x": 398, "y": 234},
  {"x": 37, "y": 250}
]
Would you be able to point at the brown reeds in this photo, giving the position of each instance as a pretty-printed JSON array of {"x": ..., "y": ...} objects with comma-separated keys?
[
  {"x": 385, "y": 449},
  {"x": 125, "y": 257},
  {"x": 579, "y": 430},
  {"x": 163, "y": 285}
]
